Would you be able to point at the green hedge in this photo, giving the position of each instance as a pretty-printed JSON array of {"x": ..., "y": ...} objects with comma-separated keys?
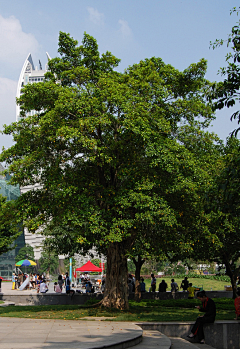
[
  {"x": 221, "y": 303},
  {"x": 211, "y": 277}
]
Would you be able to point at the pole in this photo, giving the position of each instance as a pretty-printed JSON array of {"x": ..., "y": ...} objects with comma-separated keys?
[{"x": 70, "y": 269}]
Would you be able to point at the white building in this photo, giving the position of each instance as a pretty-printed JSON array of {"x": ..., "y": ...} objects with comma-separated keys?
[{"x": 30, "y": 74}]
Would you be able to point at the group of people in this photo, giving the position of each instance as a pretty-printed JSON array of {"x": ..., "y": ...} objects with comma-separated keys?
[
  {"x": 185, "y": 285},
  {"x": 64, "y": 281},
  {"x": 34, "y": 280}
]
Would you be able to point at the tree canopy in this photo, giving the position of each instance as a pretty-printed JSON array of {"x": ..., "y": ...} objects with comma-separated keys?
[
  {"x": 226, "y": 93},
  {"x": 105, "y": 151}
]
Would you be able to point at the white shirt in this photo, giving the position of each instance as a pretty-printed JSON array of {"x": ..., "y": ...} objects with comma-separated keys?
[{"x": 43, "y": 287}]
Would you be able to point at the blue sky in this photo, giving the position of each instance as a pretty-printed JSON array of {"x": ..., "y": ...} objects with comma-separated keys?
[{"x": 178, "y": 31}]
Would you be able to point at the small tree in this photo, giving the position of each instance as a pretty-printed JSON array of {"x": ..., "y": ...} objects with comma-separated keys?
[
  {"x": 26, "y": 252},
  {"x": 48, "y": 263}
]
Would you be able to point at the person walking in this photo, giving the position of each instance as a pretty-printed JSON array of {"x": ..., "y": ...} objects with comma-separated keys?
[{"x": 209, "y": 308}]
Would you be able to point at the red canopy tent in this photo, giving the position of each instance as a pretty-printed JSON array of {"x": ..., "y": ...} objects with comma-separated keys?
[{"x": 88, "y": 267}]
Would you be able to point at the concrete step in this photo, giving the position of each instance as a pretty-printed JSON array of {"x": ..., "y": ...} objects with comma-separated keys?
[
  {"x": 180, "y": 343},
  {"x": 6, "y": 304},
  {"x": 153, "y": 340}
]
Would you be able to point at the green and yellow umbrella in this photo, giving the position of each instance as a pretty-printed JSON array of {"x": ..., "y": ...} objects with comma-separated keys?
[{"x": 25, "y": 263}]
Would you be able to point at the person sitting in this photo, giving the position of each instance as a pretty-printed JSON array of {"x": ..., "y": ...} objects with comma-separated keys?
[
  {"x": 57, "y": 288},
  {"x": 209, "y": 308},
  {"x": 163, "y": 286},
  {"x": 43, "y": 286}
]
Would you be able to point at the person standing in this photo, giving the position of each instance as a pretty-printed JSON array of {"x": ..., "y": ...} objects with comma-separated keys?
[
  {"x": 209, "y": 308},
  {"x": 191, "y": 291},
  {"x": 174, "y": 286},
  {"x": 13, "y": 281},
  {"x": 163, "y": 286},
  {"x": 67, "y": 284},
  {"x": 153, "y": 283},
  {"x": 60, "y": 281},
  {"x": 142, "y": 285},
  {"x": 185, "y": 284},
  {"x": 0, "y": 284}
]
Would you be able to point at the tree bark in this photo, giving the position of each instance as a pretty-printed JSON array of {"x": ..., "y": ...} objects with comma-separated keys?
[
  {"x": 116, "y": 289},
  {"x": 138, "y": 264},
  {"x": 232, "y": 275}
]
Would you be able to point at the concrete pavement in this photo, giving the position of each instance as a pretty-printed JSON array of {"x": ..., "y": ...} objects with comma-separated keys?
[{"x": 61, "y": 334}]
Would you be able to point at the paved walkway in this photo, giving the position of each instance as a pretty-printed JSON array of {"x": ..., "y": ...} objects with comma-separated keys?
[
  {"x": 61, "y": 334},
  {"x": 7, "y": 288}
]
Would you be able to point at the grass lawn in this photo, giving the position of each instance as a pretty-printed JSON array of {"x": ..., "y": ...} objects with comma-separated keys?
[
  {"x": 146, "y": 310},
  {"x": 207, "y": 284}
]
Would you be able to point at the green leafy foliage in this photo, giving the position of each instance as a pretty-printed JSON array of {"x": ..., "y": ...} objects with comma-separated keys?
[
  {"x": 10, "y": 224},
  {"x": 226, "y": 93},
  {"x": 209, "y": 277},
  {"x": 26, "y": 252},
  {"x": 48, "y": 263}
]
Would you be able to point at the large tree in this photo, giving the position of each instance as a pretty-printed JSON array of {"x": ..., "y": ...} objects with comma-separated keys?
[{"x": 104, "y": 148}]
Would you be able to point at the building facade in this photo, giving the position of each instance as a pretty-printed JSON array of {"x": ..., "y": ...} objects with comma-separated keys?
[{"x": 7, "y": 260}]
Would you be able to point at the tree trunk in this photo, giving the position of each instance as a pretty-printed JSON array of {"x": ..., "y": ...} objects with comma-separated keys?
[
  {"x": 138, "y": 264},
  {"x": 232, "y": 275},
  {"x": 116, "y": 289}
]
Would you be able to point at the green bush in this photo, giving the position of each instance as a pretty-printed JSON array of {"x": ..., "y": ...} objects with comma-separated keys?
[{"x": 210, "y": 277}]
